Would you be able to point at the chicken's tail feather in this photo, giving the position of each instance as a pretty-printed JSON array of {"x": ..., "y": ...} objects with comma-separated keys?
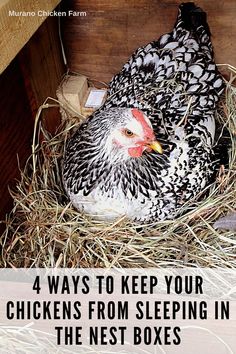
[{"x": 193, "y": 17}]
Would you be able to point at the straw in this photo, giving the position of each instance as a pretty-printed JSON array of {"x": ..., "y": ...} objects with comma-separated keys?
[{"x": 44, "y": 229}]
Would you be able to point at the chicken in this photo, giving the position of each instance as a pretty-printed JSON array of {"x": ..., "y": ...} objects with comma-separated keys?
[{"x": 149, "y": 149}]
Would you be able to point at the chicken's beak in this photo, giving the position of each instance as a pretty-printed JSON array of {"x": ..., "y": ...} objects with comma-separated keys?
[{"x": 156, "y": 146}]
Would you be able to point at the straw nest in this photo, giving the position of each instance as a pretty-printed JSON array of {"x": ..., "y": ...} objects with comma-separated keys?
[{"x": 44, "y": 230}]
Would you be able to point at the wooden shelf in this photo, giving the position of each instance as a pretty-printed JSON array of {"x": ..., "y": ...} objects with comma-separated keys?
[{"x": 15, "y": 29}]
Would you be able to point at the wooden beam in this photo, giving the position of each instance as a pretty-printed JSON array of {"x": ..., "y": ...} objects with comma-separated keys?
[{"x": 16, "y": 27}]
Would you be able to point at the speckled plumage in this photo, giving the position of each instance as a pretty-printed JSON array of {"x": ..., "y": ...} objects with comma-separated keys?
[{"x": 175, "y": 82}]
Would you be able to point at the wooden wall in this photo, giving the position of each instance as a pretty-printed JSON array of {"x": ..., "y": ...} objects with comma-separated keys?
[
  {"x": 33, "y": 75},
  {"x": 98, "y": 44},
  {"x": 16, "y": 125},
  {"x": 42, "y": 68}
]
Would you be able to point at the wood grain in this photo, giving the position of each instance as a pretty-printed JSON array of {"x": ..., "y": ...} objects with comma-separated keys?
[
  {"x": 15, "y": 31},
  {"x": 16, "y": 125},
  {"x": 32, "y": 76},
  {"x": 42, "y": 67},
  {"x": 98, "y": 44}
]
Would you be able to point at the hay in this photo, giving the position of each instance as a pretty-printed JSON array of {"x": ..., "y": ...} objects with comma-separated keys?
[
  {"x": 28, "y": 340},
  {"x": 44, "y": 230}
]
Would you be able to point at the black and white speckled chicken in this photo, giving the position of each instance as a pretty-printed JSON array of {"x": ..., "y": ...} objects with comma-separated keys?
[{"x": 149, "y": 148}]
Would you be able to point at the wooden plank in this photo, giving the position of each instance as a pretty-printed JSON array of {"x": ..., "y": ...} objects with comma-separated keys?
[
  {"x": 16, "y": 126},
  {"x": 32, "y": 76},
  {"x": 16, "y": 29},
  {"x": 98, "y": 44},
  {"x": 42, "y": 66}
]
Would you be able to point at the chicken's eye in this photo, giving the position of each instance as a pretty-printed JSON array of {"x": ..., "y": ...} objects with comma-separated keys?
[{"x": 128, "y": 133}]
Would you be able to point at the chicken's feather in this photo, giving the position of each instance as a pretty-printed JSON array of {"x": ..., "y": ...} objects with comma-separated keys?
[{"x": 175, "y": 82}]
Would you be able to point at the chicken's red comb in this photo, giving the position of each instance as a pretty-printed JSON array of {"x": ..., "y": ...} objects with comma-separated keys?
[{"x": 140, "y": 118}]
